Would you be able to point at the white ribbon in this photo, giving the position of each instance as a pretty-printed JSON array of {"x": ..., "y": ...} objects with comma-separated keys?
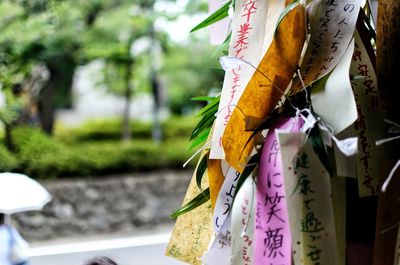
[{"x": 348, "y": 146}]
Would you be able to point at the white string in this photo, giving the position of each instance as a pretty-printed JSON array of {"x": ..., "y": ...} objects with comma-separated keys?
[
  {"x": 196, "y": 153},
  {"x": 391, "y": 174}
]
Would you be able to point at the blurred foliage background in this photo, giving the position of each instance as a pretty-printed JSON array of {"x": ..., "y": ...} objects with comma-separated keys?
[{"x": 143, "y": 50}]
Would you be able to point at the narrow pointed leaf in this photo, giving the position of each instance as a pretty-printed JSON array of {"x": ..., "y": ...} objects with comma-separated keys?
[
  {"x": 251, "y": 165},
  {"x": 317, "y": 143},
  {"x": 223, "y": 47},
  {"x": 197, "y": 201},
  {"x": 204, "y": 98},
  {"x": 201, "y": 169},
  {"x": 214, "y": 17},
  {"x": 200, "y": 139},
  {"x": 210, "y": 105}
]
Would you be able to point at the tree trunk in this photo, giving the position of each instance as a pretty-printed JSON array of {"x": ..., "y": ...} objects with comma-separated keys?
[
  {"x": 126, "y": 132},
  {"x": 388, "y": 68},
  {"x": 46, "y": 105},
  {"x": 8, "y": 137}
]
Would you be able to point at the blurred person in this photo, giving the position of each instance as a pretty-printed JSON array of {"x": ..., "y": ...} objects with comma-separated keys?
[
  {"x": 13, "y": 248},
  {"x": 100, "y": 260}
]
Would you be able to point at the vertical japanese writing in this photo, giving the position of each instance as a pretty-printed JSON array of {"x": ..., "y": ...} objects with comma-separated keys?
[
  {"x": 247, "y": 41},
  {"x": 225, "y": 199},
  {"x": 332, "y": 25},
  {"x": 273, "y": 241},
  {"x": 310, "y": 224},
  {"x": 367, "y": 127}
]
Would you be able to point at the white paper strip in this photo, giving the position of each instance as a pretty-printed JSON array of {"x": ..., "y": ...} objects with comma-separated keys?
[
  {"x": 333, "y": 100},
  {"x": 243, "y": 224},
  {"x": 332, "y": 24},
  {"x": 248, "y": 30},
  {"x": 224, "y": 201}
]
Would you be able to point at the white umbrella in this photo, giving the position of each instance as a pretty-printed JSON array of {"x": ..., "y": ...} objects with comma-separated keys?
[{"x": 19, "y": 193}]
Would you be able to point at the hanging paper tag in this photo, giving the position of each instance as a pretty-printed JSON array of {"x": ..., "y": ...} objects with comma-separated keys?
[
  {"x": 192, "y": 232},
  {"x": 225, "y": 199},
  {"x": 333, "y": 99},
  {"x": 246, "y": 43},
  {"x": 272, "y": 230},
  {"x": 242, "y": 224},
  {"x": 308, "y": 193},
  {"x": 220, "y": 250},
  {"x": 266, "y": 87},
  {"x": 369, "y": 125},
  {"x": 332, "y": 25}
]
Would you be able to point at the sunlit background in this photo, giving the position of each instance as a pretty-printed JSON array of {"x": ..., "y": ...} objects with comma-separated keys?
[{"x": 96, "y": 105}]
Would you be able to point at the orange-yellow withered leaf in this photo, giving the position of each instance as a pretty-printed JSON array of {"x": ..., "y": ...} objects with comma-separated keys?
[
  {"x": 261, "y": 95},
  {"x": 215, "y": 179}
]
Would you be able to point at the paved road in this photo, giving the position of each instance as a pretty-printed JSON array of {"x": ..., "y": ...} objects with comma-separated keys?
[{"x": 143, "y": 250}]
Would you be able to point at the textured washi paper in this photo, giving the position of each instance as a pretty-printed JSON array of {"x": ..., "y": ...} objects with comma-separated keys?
[
  {"x": 332, "y": 98},
  {"x": 248, "y": 30},
  {"x": 193, "y": 230},
  {"x": 308, "y": 193},
  {"x": 332, "y": 24},
  {"x": 220, "y": 251},
  {"x": 242, "y": 224},
  {"x": 369, "y": 127},
  {"x": 272, "y": 238},
  {"x": 265, "y": 88}
]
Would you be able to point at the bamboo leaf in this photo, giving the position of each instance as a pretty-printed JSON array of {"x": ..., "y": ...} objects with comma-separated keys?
[
  {"x": 200, "y": 139},
  {"x": 203, "y": 98},
  {"x": 223, "y": 47},
  {"x": 214, "y": 17},
  {"x": 201, "y": 169},
  {"x": 251, "y": 165},
  {"x": 204, "y": 123},
  {"x": 212, "y": 104},
  {"x": 193, "y": 204},
  {"x": 317, "y": 143}
]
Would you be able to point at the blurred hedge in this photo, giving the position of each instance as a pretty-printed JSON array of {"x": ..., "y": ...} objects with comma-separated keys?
[
  {"x": 96, "y": 149},
  {"x": 110, "y": 129}
]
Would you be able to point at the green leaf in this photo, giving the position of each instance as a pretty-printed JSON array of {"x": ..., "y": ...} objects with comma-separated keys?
[
  {"x": 210, "y": 105},
  {"x": 204, "y": 124},
  {"x": 285, "y": 11},
  {"x": 251, "y": 165},
  {"x": 223, "y": 47},
  {"x": 204, "y": 98},
  {"x": 317, "y": 143},
  {"x": 201, "y": 169},
  {"x": 200, "y": 139},
  {"x": 197, "y": 201},
  {"x": 214, "y": 17}
]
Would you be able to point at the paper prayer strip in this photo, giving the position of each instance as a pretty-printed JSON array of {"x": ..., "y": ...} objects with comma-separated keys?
[
  {"x": 224, "y": 202},
  {"x": 332, "y": 24},
  {"x": 333, "y": 99},
  {"x": 369, "y": 125},
  {"x": 246, "y": 43},
  {"x": 310, "y": 205},
  {"x": 272, "y": 229},
  {"x": 242, "y": 224}
]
